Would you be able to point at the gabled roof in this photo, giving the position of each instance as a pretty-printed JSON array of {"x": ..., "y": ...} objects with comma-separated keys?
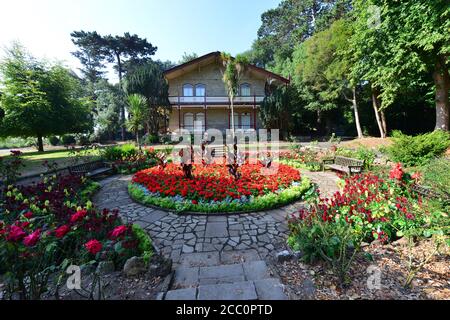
[{"x": 209, "y": 58}]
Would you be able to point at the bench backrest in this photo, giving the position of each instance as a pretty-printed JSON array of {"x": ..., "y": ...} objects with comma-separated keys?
[
  {"x": 88, "y": 166},
  {"x": 344, "y": 161}
]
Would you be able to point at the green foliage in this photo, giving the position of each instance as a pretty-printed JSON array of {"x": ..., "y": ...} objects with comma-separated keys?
[
  {"x": 88, "y": 189},
  {"x": 145, "y": 243},
  {"x": 334, "y": 242},
  {"x": 148, "y": 81},
  {"x": 436, "y": 174},
  {"x": 68, "y": 139},
  {"x": 40, "y": 99},
  {"x": 107, "y": 110},
  {"x": 118, "y": 152},
  {"x": 361, "y": 153},
  {"x": 54, "y": 140},
  {"x": 137, "y": 109},
  {"x": 420, "y": 149},
  {"x": 188, "y": 57},
  {"x": 16, "y": 142}
]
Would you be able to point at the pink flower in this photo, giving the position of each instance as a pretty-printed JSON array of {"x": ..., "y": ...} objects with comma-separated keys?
[
  {"x": 32, "y": 238},
  {"x": 62, "y": 231},
  {"x": 118, "y": 231},
  {"x": 15, "y": 234},
  {"x": 93, "y": 246},
  {"x": 78, "y": 216},
  {"x": 416, "y": 175}
]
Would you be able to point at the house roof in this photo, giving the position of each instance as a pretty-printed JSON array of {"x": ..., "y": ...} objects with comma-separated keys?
[{"x": 209, "y": 58}]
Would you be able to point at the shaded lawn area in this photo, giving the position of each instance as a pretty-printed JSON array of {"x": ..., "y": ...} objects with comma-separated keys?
[{"x": 33, "y": 160}]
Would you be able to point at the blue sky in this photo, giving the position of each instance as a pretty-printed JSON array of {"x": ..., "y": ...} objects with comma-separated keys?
[{"x": 174, "y": 26}]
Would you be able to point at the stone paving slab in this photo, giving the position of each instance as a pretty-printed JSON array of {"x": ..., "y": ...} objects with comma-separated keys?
[
  {"x": 186, "y": 277},
  {"x": 202, "y": 259},
  {"x": 235, "y": 291},
  {"x": 256, "y": 270},
  {"x": 182, "y": 294},
  {"x": 269, "y": 289}
]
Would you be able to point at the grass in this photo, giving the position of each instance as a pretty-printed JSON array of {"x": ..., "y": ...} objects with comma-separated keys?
[{"x": 33, "y": 160}]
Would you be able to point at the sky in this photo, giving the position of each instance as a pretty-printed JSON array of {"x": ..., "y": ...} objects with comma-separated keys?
[{"x": 174, "y": 26}]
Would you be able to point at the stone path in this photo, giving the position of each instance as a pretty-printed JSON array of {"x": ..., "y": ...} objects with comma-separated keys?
[{"x": 220, "y": 257}]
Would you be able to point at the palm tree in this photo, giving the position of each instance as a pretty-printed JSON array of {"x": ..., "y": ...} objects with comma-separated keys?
[
  {"x": 234, "y": 68},
  {"x": 136, "y": 107}
]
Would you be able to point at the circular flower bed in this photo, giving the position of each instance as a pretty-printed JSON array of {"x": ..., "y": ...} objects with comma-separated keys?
[{"x": 213, "y": 189}]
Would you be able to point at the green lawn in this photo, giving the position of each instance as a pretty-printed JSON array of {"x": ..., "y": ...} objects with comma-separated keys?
[{"x": 33, "y": 160}]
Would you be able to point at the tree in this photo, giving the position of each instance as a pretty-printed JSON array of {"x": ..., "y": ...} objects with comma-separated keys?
[
  {"x": 148, "y": 80},
  {"x": 136, "y": 108},
  {"x": 40, "y": 99},
  {"x": 291, "y": 23},
  {"x": 234, "y": 69},
  {"x": 275, "y": 111},
  {"x": 91, "y": 53},
  {"x": 188, "y": 57},
  {"x": 123, "y": 51},
  {"x": 107, "y": 110},
  {"x": 410, "y": 39}
]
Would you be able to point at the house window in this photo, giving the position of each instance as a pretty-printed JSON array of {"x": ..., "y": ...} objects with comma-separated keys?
[
  {"x": 245, "y": 90},
  {"x": 199, "y": 124},
  {"x": 245, "y": 121},
  {"x": 200, "y": 90},
  {"x": 189, "y": 121},
  {"x": 188, "y": 90},
  {"x": 236, "y": 120}
]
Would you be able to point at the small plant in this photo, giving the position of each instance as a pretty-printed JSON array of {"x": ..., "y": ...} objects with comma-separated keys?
[
  {"x": 361, "y": 153},
  {"x": 418, "y": 150},
  {"x": 10, "y": 167}
]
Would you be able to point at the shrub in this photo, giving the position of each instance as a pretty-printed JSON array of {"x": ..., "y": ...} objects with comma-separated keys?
[
  {"x": 420, "y": 149},
  {"x": 362, "y": 153},
  {"x": 119, "y": 152},
  {"x": 436, "y": 174},
  {"x": 150, "y": 138},
  {"x": 83, "y": 140},
  {"x": 54, "y": 140},
  {"x": 68, "y": 139}
]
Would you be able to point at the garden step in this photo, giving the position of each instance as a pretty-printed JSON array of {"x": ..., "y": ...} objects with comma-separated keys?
[{"x": 239, "y": 281}]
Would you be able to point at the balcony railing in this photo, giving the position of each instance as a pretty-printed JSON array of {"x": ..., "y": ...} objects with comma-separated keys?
[{"x": 208, "y": 99}]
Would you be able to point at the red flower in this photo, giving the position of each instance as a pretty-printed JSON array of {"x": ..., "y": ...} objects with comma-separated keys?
[
  {"x": 15, "y": 234},
  {"x": 93, "y": 246},
  {"x": 62, "y": 231},
  {"x": 28, "y": 215},
  {"x": 32, "y": 238},
  {"x": 396, "y": 172},
  {"x": 78, "y": 216},
  {"x": 194, "y": 202},
  {"x": 118, "y": 231}
]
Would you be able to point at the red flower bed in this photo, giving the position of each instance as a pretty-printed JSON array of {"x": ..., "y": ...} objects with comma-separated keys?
[{"x": 214, "y": 183}]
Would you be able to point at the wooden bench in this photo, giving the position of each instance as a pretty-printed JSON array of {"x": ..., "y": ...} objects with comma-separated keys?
[
  {"x": 90, "y": 169},
  {"x": 343, "y": 164}
]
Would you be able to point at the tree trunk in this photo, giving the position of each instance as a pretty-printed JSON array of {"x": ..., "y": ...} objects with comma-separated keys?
[
  {"x": 232, "y": 117},
  {"x": 40, "y": 143},
  {"x": 355, "y": 110},
  {"x": 442, "y": 82},
  {"x": 122, "y": 106},
  {"x": 137, "y": 139},
  {"x": 383, "y": 122},
  {"x": 376, "y": 108}
]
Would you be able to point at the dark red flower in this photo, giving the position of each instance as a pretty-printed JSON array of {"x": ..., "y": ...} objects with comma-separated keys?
[
  {"x": 28, "y": 215},
  {"x": 32, "y": 238},
  {"x": 118, "y": 231},
  {"x": 62, "y": 231},
  {"x": 78, "y": 216},
  {"x": 93, "y": 246},
  {"x": 15, "y": 234}
]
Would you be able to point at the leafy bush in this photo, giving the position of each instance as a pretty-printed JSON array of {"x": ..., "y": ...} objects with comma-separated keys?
[
  {"x": 150, "y": 139},
  {"x": 54, "y": 140},
  {"x": 16, "y": 142},
  {"x": 145, "y": 243},
  {"x": 420, "y": 149},
  {"x": 68, "y": 139},
  {"x": 83, "y": 140},
  {"x": 362, "y": 153},
  {"x": 436, "y": 174},
  {"x": 119, "y": 152}
]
